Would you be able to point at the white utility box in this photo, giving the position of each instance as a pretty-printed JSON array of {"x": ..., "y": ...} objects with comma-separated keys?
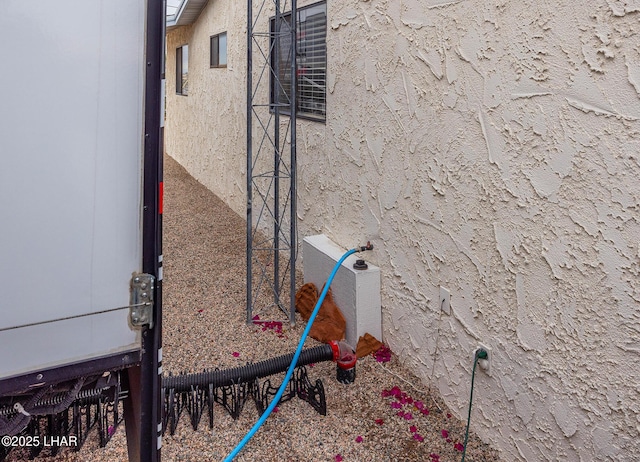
[{"x": 355, "y": 291}]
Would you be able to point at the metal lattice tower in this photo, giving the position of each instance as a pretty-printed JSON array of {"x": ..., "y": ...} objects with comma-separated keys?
[{"x": 271, "y": 158}]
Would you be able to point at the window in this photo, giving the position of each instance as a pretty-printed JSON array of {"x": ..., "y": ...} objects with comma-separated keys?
[
  {"x": 311, "y": 61},
  {"x": 182, "y": 70},
  {"x": 219, "y": 50}
]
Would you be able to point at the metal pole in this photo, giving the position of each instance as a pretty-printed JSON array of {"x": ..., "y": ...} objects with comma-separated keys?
[
  {"x": 293, "y": 161},
  {"x": 268, "y": 201},
  {"x": 249, "y": 157},
  {"x": 276, "y": 157}
]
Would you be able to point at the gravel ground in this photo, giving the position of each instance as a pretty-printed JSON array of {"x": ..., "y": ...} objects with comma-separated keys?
[{"x": 204, "y": 327}]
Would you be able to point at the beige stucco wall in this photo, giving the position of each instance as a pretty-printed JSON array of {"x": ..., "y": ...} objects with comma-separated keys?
[
  {"x": 491, "y": 147},
  {"x": 206, "y": 130}
]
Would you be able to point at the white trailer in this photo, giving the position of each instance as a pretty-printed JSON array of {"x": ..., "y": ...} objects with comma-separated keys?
[{"x": 80, "y": 201}]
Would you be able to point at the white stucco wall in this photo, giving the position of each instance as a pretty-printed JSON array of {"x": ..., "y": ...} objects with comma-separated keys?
[{"x": 491, "y": 147}]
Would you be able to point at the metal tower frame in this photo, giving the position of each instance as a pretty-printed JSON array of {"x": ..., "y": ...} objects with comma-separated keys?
[{"x": 271, "y": 173}]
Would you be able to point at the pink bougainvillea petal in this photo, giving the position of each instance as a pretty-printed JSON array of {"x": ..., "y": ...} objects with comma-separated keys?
[
  {"x": 358, "y": 439},
  {"x": 418, "y": 437},
  {"x": 448, "y": 416},
  {"x": 383, "y": 354},
  {"x": 396, "y": 405},
  {"x": 235, "y": 354},
  {"x": 379, "y": 421},
  {"x": 413, "y": 429},
  {"x": 338, "y": 458},
  {"x": 445, "y": 434},
  {"x": 408, "y": 416},
  {"x": 459, "y": 446}
]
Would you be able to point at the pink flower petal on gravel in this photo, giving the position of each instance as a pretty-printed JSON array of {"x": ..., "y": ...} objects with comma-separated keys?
[
  {"x": 459, "y": 447},
  {"x": 383, "y": 355},
  {"x": 396, "y": 405},
  {"x": 408, "y": 416},
  {"x": 235, "y": 354},
  {"x": 379, "y": 421},
  {"x": 418, "y": 437},
  {"x": 338, "y": 458},
  {"x": 445, "y": 434},
  {"x": 358, "y": 439},
  {"x": 413, "y": 429}
]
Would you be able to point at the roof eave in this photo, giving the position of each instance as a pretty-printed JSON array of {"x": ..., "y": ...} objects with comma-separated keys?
[{"x": 187, "y": 13}]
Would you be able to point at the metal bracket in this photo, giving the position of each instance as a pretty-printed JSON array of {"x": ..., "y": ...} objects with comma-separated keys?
[{"x": 141, "y": 301}]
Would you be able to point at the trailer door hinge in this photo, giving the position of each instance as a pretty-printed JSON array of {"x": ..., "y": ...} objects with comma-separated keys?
[{"x": 141, "y": 306}]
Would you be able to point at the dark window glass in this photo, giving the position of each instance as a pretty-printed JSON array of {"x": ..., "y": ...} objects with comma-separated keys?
[
  {"x": 182, "y": 70},
  {"x": 311, "y": 61},
  {"x": 219, "y": 50}
]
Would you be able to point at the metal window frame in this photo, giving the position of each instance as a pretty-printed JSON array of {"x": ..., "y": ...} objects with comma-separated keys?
[
  {"x": 272, "y": 97},
  {"x": 180, "y": 90},
  {"x": 214, "y": 51}
]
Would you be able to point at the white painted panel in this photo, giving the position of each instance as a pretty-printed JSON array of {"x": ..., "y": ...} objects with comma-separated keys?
[
  {"x": 70, "y": 176},
  {"x": 355, "y": 292}
]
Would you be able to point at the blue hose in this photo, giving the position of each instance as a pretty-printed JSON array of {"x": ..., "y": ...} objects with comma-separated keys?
[{"x": 292, "y": 366}]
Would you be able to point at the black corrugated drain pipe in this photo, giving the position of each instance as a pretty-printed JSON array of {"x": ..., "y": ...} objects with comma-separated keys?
[{"x": 340, "y": 352}]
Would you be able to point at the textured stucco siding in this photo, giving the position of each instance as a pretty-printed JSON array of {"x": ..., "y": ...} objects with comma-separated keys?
[
  {"x": 491, "y": 147},
  {"x": 494, "y": 148}
]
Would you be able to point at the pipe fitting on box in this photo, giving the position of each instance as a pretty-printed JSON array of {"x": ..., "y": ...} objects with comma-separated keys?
[
  {"x": 345, "y": 357},
  {"x": 363, "y": 248}
]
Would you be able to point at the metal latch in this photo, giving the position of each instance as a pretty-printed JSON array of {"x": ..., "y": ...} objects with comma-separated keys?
[{"x": 141, "y": 302}]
